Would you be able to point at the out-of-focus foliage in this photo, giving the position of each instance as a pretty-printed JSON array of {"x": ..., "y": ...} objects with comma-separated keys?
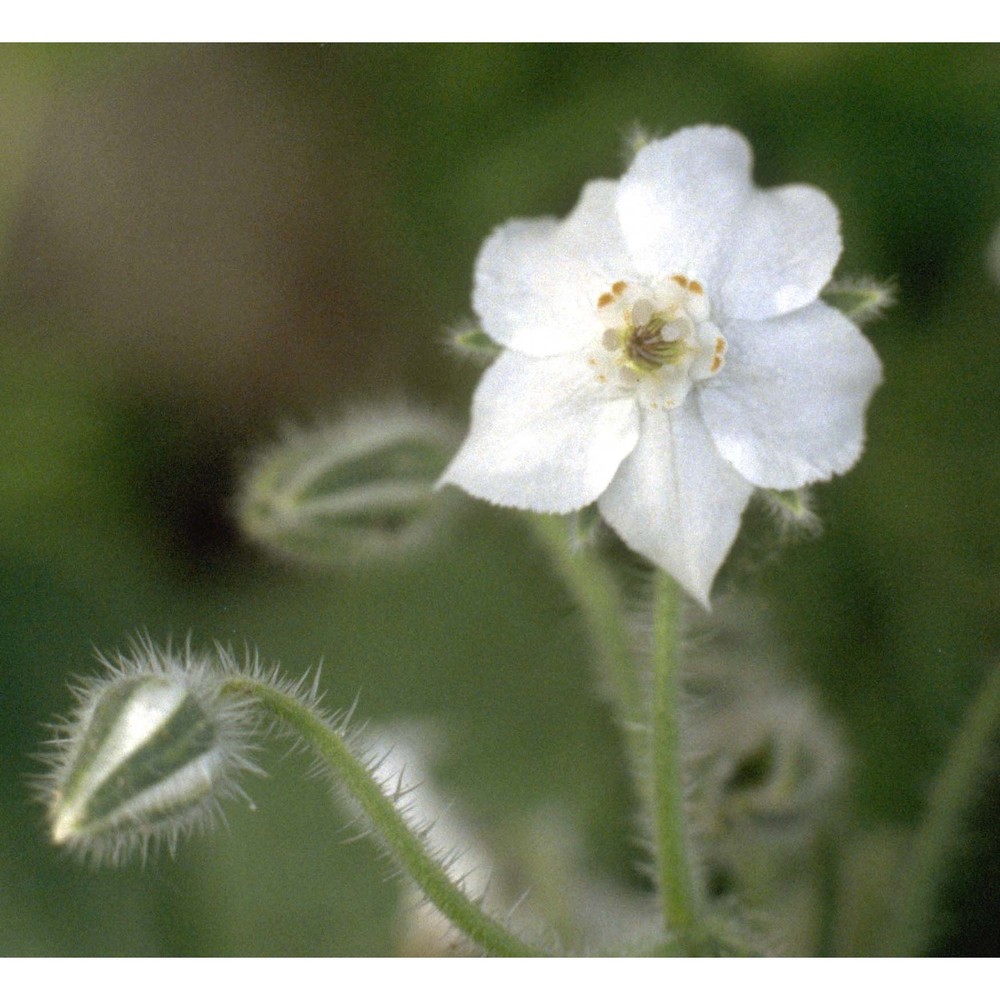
[{"x": 201, "y": 243}]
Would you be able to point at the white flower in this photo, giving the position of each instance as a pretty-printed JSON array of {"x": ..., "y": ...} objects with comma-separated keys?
[{"x": 667, "y": 354}]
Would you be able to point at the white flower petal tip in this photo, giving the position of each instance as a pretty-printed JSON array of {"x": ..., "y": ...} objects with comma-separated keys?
[
  {"x": 666, "y": 354},
  {"x": 556, "y": 449}
]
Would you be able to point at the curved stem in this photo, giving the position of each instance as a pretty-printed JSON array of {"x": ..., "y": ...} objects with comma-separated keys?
[
  {"x": 939, "y": 833},
  {"x": 406, "y": 845},
  {"x": 675, "y": 875}
]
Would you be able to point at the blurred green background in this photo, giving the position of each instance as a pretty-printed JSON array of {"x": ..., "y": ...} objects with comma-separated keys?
[{"x": 201, "y": 243}]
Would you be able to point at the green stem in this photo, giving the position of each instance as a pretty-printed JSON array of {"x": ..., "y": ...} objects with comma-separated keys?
[
  {"x": 592, "y": 585},
  {"x": 407, "y": 845},
  {"x": 650, "y": 719},
  {"x": 676, "y": 878},
  {"x": 828, "y": 876},
  {"x": 939, "y": 834}
]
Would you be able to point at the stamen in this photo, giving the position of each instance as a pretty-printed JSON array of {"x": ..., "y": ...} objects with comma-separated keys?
[{"x": 642, "y": 312}]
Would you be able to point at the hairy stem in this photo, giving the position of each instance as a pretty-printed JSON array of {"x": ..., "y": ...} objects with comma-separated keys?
[
  {"x": 675, "y": 875},
  {"x": 406, "y": 845}
]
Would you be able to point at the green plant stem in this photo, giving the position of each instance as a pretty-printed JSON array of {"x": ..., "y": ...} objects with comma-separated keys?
[
  {"x": 675, "y": 875},
  {"x": 939, "y": 833},
  {"x": 828, "y": 876},
  {"x": 592, "y": 585},
  {"x": 406, "y": 845},
  {"x": 650, "y": 719}
]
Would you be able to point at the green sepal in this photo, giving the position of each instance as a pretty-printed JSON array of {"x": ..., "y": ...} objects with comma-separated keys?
[
  {"x": 474, "y": 344},
  {"x": 793, "y": 502},
  {"x": 860, "y": 299}
]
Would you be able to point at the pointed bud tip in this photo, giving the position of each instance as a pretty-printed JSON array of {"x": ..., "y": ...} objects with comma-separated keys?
[{"x": 63, "y": 828}]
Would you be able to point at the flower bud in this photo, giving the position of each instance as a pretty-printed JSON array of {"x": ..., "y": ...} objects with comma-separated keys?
[
  {"x": 769, "y": 762},
  {"x": 769, "y": 784},
  {"x": 359, "y": 489},
  {"x": 782, "y": 769},
  {"x": 147, "y": 754}
]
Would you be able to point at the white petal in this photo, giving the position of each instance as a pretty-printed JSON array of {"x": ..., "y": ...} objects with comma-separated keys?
[
  {"x": 537, "y": 281},
  {"x": 675, "y": 500},
  {"x": 788, "y": 408},
  {"x": 780, "y": 254},
  {"x": 688, "y": 205},
  {"x": 545, "y": 435},
  {"x": 680, "y": 199}
]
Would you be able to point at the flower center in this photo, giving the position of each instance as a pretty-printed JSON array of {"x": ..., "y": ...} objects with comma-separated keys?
[{"x": 658, "y": 340}]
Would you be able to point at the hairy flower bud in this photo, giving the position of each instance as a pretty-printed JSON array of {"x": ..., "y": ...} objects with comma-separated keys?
[
  {"x": 355, "y": 490},
  {"x": 148, "y": 753},
  {"x": 781, "y": 770}
]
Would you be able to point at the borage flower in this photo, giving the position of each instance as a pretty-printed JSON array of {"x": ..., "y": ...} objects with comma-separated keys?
[{"x": 667, "y": 354}]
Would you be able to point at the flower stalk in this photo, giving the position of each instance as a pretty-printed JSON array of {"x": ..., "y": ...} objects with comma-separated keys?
[
  {"x": 678, "y": 892},
  {"x": 406, "y": 844}
]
